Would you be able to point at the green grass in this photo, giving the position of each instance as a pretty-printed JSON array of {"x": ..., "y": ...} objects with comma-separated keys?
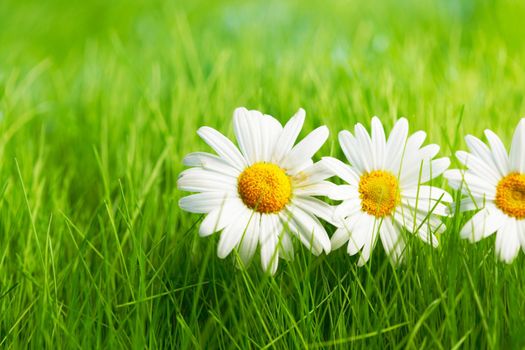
[{"x": 99, "y": 102}]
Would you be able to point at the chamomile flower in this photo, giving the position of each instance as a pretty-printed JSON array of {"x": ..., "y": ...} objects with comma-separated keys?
[
  {"x": 384, "y": 194},
  {"x": 262, "y": 194},
  {"x": 494, "y": 182}
]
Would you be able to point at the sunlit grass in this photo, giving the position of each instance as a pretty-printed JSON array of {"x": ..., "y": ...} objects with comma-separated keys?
[{"x": 100, "y": 101}]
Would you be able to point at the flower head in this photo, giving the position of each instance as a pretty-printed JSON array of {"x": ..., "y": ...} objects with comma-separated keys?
[
  {"x": 494, "y": 184},
  {"x": 264, "y": 192},
  {"x": 384, "y": 192}
]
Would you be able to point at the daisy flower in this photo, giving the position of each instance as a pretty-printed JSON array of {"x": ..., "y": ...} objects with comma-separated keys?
[
  {"x": 384, "y": 192},
  {"x": 262, "y": 194},
  {"x": 494, "y": 182}
]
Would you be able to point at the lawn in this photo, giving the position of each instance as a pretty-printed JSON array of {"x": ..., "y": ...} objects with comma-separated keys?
[{"x": 100, "y": 101}]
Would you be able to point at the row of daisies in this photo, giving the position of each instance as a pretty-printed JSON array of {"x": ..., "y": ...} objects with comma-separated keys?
[{"x": 265, "y": 191}]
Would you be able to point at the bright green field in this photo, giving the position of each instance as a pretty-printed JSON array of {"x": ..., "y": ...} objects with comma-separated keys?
[{"x": 100, "y": 101}]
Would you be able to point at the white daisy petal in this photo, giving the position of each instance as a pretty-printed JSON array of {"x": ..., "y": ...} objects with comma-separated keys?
[
  {"x": 288, "y": 136},
  {"x": 470, "y": 184},
  {"x": 270, "y": 130},
  {"x": 507, "y": 241},
  {"x": 521, "y": 233},
  {"x": 427, "y": 237},
  {"x": 427, "y": 192},
  {"x": 365, "y": 147},
  {"x": 455, "y": 178},
  {"x": 220, "y": 217},
  {"x": 205, "y": 202},
  {"x": 305, "y": 149},
  {"x": 344, "y": 171},
  {"x": 426, "y": 172},
  {"x": 205, "y": 174},
  {"x": 201, "y": 180},
  {"x": 392, "y": 240},
  {"x": 378, "y": 143},
  {"x": 346, "y": 209},
  {"x": 349, "y": 146},
  {"x": 340, "y": 237},
  {"x": 482, "y": 151},
  {"x": 370, "y": 242},
  {"x": 344, "y": 192},
  {"x": 290, "y": 225},
  {"x": 311, "y": 175},
  {"x": 224, "y": 147},
  {"x": 477, "y": 165},
  {"x": 499, "y": 154},
  {"x": 424, "y": 204},
  {"x": 315, "y": 206},
  {"x": 210, "y": 162},
  {"x": 270, "y": 231},
  {"x": 428, "y": 199},
  {"x": 411, "y": 150},
  {"x": 359, "y": 232},
  {"x": 286, "y": 250},
  {"x": 434, "y": 168},
  {"x": 255, "y": 134},
  {"x": 415, "y": 140},
  {"x": 346, "y": 233},
  {"x": 468, "y": 203},
  {"x": 323, "y": 188},
  {"x": 482, "y": 224},
  {"x": 311, "y": 232},
  {"x": 413, "y": 220},
  {"x": 250, "y": 239},
  {"x": 412, "y": 157},
  {"x": 517, "y": 149},
  {"x": 395, "y": 145},
  {"x": 298, "y": 168},
  {"x": 243, "y": 126},
  {"x": 232, "y": 234},
  {"x": 420, "y": 223},
  {"x": 429, "y": 151}
]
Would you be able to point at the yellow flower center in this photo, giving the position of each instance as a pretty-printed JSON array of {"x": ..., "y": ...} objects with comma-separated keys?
[
  {"x": 510, "y": 195},
  {"x": 379, "y": 193},
  {"x": 264, "y": 187}
]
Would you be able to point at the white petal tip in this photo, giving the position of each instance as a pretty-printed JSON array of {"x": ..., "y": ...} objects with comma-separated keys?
[
  {"x": 300, "y": 114},
  {"x": 203, "y": 130},
  {"x": 221, "y": 255},
  {"x": 203, "y": 233},
  {"x": 324, "y": 129},
  {"x": 240, "y": 110},
  {"x": 488, "y": 132},
  {"x": 344, "y": 133},
  {"x": 507, "y": 260}
]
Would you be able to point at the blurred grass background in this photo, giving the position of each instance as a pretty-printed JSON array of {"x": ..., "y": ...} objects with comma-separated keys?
[{"x": 100, "y": 100}]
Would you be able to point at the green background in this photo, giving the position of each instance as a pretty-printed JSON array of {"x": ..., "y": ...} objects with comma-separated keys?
[{"x": 99, "y": 102}]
